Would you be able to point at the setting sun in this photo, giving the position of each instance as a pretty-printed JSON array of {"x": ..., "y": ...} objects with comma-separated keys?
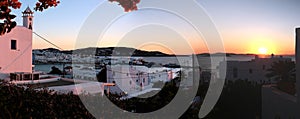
[
  {"x": 263, "y": 50},
  {"x": 262, "y": 46}
]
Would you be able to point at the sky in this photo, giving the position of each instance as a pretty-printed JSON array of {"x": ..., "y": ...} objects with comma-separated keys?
[{"x": 245, "y": 26}]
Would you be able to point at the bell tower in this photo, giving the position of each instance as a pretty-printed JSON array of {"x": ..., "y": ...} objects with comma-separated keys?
[{"x": 28, "y": 18}]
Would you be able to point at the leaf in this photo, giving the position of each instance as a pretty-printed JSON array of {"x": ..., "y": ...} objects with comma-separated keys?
[
  {"x": 8, "y": 30},
  {"x": 4, "y": 8},
  {"x": 12, "y": 16},
  {"x": 1, "y": 30},
  {"x": 13, "y": 24},
  {"x": 2, "y": 16}
]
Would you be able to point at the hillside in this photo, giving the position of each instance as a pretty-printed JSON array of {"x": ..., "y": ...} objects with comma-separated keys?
[{"x": 107, "y": 51}]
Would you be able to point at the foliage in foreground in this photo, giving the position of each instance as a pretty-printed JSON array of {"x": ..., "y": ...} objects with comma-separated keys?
[
  {"x": 18, "y": 102},
  {"x": 239, "y": 99}
]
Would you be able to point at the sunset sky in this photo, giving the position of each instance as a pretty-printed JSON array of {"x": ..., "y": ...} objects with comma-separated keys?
[{"x": 246, "y": 26}]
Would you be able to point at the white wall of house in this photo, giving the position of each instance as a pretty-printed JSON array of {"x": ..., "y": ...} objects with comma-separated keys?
[
  {"x": 129, "y": 79},
  {"x": 254, "y": 70}
]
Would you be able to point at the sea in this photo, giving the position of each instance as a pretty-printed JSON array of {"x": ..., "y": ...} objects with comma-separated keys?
[{"x": 203, "y": 61}]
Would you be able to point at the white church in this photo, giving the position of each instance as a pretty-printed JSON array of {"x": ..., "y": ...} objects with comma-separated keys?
[{"x": 16, "y": 49}]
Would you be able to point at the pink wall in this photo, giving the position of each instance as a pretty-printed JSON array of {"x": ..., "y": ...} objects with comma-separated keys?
[{"x": 19, "y": 60}]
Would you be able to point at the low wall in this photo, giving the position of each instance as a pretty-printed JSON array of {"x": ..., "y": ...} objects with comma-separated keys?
[{"x": 4, "y": 76}]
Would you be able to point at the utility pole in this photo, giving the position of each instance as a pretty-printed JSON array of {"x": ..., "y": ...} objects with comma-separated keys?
[{"x": 298, "y": 68}]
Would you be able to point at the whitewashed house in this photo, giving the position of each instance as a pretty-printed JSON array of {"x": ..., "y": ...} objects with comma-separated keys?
[
  {"x": 128, "y": 78},
  {"x": 254, "y": 70},
  {"x": 16, "y": 48}
]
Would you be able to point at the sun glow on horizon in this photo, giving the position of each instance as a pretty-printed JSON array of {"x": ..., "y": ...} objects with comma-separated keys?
[
  {"x": 262, "y": 46},
  {"x": 262, "y": 50}
]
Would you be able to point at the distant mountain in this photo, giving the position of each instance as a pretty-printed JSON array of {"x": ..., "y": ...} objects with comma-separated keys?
[
  {"x": 118, "y": 51},
  {"x": 222, "y": 54},
  {"x": 53, "y": 50},
  {"x": 124, "y": 51},
  {"x": 108, "y": 51}
]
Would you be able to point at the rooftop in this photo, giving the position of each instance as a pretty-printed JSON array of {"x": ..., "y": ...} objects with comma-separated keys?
[{"x": 28, "y": 11}]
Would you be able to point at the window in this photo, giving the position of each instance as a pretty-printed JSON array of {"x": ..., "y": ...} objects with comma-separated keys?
[
  {"x": 13, "y": 45},
  {"x": 30, "y": 26}
]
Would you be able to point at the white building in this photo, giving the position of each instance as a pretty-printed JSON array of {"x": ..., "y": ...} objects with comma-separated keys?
[
  {"x": 254, "y": 70},
  {"x": 129, "y": 79},
  {"x": 16, "y": 48}
]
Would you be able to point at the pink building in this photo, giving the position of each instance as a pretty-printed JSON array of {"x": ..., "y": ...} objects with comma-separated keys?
[{"x": 16, "y": 48}]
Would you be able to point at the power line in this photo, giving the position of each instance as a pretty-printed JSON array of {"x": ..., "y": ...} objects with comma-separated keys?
[
  {"x": 26, "y": 49},
  {"x": 47, "y": 41},
  {"x": 18, "y": 57}
]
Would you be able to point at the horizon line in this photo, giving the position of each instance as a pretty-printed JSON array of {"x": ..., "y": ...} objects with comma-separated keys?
[{"x": 232, "y": 53}]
